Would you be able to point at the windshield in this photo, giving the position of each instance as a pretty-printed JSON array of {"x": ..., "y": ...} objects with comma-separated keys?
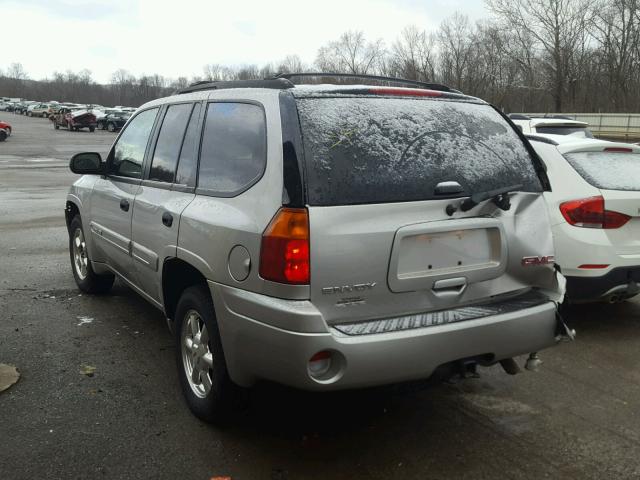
[
  {"x": 608, "y": 170},
  {"x": 580, "y": 132},
  {"x": 373, "y": 149}
]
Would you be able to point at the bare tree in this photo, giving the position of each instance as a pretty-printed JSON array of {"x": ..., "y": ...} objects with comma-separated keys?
[
  {"x": 616, "y": 28},
  {"x": 351, "y": 53},
  {"x": 557, "y": 26},
  {"x": 413, "y": 55},
  {"x": 455, "y": 43},
  {"x": 215, "y": 71}
]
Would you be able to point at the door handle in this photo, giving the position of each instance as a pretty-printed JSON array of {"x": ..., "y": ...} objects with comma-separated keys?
[
  {"x": 124, "y": 205},
  {"x": 167, "y": 219}
]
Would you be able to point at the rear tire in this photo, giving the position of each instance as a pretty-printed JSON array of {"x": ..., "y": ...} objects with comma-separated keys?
[
  {"x": 111, "y": 127},
  {"x": 92, "y": 129},
  {"x": 209, "y": 391},
  {"x": 87, "y": 280},
  {"x": 3, "y": 136}
]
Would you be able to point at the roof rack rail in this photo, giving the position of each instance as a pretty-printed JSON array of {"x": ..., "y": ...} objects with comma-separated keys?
[
  {"x": 415, "y": 83},
  {"x": 275, "y": 83}
]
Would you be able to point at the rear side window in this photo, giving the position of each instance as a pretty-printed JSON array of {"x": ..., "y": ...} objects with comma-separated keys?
[
  {"x": 165, "y": 156},
  {"x": 234, "y": 148},
  {"x": 128, "y": 152},
  {"x": 188, "y": 164},
  {"x": 608, "y": 170},
  {"x": 372, "y": 150}
]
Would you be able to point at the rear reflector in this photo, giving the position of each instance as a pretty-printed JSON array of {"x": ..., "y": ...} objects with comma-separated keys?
[
  {"x": 593, "y": 266},
  {"x": 320, "y": 364},
  {"x": 410, "y": 92},
  {"x": 590, "y": 213},
  {"x": 284, "y": 255}
]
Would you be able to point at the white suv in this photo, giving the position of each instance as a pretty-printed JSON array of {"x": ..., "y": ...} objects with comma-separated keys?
[
  {"x": 594, "y": 206},
  {"x": 551, "y": 125}
]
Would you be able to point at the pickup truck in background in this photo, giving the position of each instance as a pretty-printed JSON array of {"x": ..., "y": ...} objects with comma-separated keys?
[{"x": 74, "y": 119}]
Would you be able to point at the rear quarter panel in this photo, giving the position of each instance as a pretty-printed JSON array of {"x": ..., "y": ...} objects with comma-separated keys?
[{"x": 211, "y": 226}]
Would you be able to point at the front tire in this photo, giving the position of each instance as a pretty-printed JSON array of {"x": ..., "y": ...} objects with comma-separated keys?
[
  {"x": 92, "y": 129},
  {"x": 209, "y": 391},
  {"x": 87, "y": 280},
  {"x": 111, "y": 127},
  {"x": 3, "y": 135}
]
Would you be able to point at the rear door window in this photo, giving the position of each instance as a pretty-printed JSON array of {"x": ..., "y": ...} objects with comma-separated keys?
[
  {"x": 234, "y": 148},
  {"x": 608, "y": 170},
  {"x": 165, "y": 156},
  {"x": 372, "y": 149}
]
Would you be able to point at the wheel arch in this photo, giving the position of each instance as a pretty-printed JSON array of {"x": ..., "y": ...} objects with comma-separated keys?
[
  {"x": 71, "y": 209},
  {"x": 177, "y": 276}
]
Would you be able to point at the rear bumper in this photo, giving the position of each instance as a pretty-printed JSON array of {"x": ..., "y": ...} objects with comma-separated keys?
[
  {"x": 271, "y": 339},
  {"x": 619, "y": 281}
]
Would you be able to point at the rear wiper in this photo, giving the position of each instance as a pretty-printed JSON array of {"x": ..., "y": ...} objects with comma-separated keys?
[{"x": 500, "y": 197}]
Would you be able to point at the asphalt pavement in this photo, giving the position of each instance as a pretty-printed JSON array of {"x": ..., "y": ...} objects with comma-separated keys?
[{"x": 577, "y": 418}]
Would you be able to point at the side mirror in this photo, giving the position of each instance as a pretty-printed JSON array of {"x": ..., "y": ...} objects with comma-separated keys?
[{"x": 88, "y": 163}]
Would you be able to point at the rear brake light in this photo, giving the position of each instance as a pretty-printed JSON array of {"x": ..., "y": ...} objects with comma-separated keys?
[
  {"x": 284, "y": 255},
  {"x": 590, "y": 213},
  {"x": 411, "y": 92},
  {"x": 618, "y": 150},
  {"x": 593, "y": 266}
]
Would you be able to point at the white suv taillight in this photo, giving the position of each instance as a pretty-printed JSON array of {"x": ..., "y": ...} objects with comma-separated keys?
[{"x": 590, "y": 213}]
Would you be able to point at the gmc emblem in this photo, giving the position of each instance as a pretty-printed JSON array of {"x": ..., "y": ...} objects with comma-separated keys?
[{"x": 535, "y": 261}]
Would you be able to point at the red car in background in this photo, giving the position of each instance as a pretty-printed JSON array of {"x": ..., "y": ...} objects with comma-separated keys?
[
  {"x": 5, "y": 131},
  {"x": 74, "y": 119}
]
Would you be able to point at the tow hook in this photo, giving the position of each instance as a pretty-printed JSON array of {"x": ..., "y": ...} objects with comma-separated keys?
[{"x": 563, "y": 332}]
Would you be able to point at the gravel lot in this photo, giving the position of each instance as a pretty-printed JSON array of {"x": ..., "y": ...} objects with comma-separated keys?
[{"x": 576, "y": 418}]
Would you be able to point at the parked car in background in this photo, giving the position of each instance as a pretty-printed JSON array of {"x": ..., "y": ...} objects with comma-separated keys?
[
  {"x": 22, "y": 107},
  {"x": 5, "y": 131},
  {"x": 594, "y": 206},
  {"x": 552, "y": 125},
  {"x": 362, "y": 262},
  {"x": 101, "y": 115},
  {"x": 115, "y": 121},
  {"x": 74, "y": 119},
  {"x": 4, "y": 106},
  {"x": 38, "y": 110}
]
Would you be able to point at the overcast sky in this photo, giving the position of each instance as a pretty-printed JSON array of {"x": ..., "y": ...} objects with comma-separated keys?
[{"x": 176, "y": 38}]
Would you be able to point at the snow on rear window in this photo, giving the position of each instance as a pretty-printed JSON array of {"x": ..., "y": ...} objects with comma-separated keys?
[
  {"x": 608, "y": 170},
  {"x": 371, "y": 150}
]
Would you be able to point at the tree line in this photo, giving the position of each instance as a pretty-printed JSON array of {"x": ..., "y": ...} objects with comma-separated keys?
[{"x": 529, "y": 56}]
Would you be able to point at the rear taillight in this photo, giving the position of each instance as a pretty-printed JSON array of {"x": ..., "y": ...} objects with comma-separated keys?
[
  {"x": 284, "y": 255},
  {"x": 590, "y": 213}
]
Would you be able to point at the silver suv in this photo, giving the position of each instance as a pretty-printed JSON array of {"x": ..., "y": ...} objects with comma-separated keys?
[{"x": 322, "y": 236}]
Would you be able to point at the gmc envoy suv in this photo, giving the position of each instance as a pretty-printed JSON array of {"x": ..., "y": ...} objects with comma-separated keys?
[{"x": 322, "y": 236}]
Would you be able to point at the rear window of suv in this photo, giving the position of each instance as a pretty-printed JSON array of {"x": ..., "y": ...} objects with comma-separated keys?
[
  {"x": 374, "y": 150},
  {"x": 608, "y": 170}
]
